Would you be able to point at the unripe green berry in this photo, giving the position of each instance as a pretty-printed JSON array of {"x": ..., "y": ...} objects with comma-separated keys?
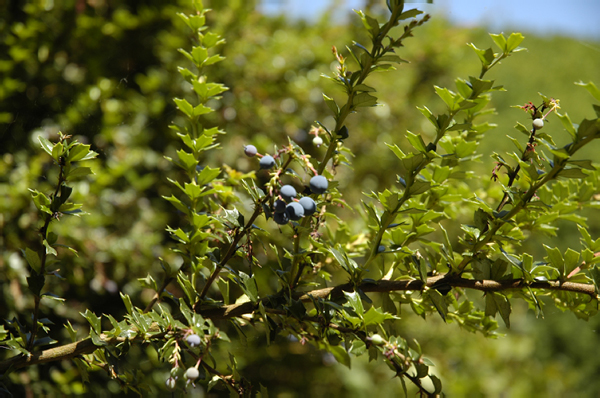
[
  {"x": 538, "y": 123},
  {"x": 377, "y": 340},
  {"x": 318, "y": 141},
  {"x": 192, "y": 374}
]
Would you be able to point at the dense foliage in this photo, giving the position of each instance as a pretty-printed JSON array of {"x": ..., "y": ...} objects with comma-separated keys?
[{"x": 234, "y": 246}]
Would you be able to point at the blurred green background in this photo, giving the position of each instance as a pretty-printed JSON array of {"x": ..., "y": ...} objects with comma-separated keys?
[{"x": 106, "y": 73}]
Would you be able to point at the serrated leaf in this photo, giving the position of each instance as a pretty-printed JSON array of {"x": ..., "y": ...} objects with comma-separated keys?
[
  {"x": 355, "y": 302},
  {"x": 416, "y": 141},
  {"x": 93, "y": 320},
  {"x": 184, "y": 106}
]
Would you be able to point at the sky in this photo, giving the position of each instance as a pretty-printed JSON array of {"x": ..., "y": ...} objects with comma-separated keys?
[{"x": 575, "y": 18}]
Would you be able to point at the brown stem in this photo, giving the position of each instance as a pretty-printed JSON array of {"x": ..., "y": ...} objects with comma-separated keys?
[
  {"x": 44, "y": 232},
  {"x": 238, "y": 236},
  {"x": 235, "y": 310}
]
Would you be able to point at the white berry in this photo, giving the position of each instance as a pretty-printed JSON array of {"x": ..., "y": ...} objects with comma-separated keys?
[
  {"x": 192, "y": 374},
  {"x": 318, "y": 141},
  {"x": 538, "y": 123}
]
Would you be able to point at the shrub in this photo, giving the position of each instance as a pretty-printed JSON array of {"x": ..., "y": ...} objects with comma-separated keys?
[{"x": 329, "y": 279}]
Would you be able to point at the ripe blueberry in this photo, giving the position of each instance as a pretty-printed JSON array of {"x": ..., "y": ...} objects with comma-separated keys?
[
  {"x": 266, "y": 162},
  {"x": 250, "y": 150},
  {"x": 538, "y": 123},
  {"x": 279, "y": 206},
  {"x": 287, "y": 192},
  {"x": 193, "y": 340},
  {"x": 295, "y": 211},
  {"x": 281, "y": 218},
  {"x": 318, "y": 184},
  {"x": 308, "y": 204},
  {"x": 192, "y": 374}
]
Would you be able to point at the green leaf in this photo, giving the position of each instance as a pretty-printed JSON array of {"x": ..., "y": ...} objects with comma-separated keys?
[
  {"x": 429, "y": 115},
  {"x": 340, "y": 354},
  {"x": 513, "y": 42},
  {"x": 409, "y": 14},
  {"x": 500, "y": 41},
  {"x": 438, "y": 302},
  {"x": 567, "y": 124},
  {"x": 33, "y": 259},
  {"x": 78, "y": 152},
  {"x": 94, "y": 321},
  {"x": 358, "y": 347},
  {"x": 416, "y": 141},
  {"x": 572, "y": 172},
  {"x": 485, "y": 56},
  {"x": 355, "y": 302},
  {"x": 375, "y": 316},
  {"x": 46, "y": 144},
  {"x": 57, "y": 151},
  {"x": 571, "y": 260},
  {"x": 591, "y": 87},
  {"x": 199, "y": 55},
  {"x": 364, "y": 99},
  {"x": 449, "y": 97},
  {"x": 503, "y": 306},
  {"x": 127, "y": 301},
  {"x": 184, "y": 106},
  {"x": 332, "y": 105},
  {"x": 201, "y": 110},
  {"x": 188, "y": 161},
  {"x": 555, "y": 258},
  {"x": 72, "y": 332},
  {"x": 79, "y": 172},
  {"x": 207, "y": 175},
  {"x": 49, "y": 248}
]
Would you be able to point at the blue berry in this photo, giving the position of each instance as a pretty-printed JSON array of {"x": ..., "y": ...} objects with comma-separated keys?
[
  {"x": 318, "y": 184},
  {"x": 193, "y": 340},
  {"x": 308, "y": 204},
  {"x": 281, "y": 218},
  {"x": 287, "y": 192},
  {"x": 250, "y": 150},
  {"x": 266, "y": 162},
  {"x": 295, "y": 211},
  {"x": 279, "y": 206}
]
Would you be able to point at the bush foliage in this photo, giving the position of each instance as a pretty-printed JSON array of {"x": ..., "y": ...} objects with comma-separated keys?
[{"x": 246, "y": 231}]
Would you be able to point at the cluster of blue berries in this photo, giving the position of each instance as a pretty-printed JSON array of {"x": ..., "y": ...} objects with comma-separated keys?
[{"x": 286, "y": 209}]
